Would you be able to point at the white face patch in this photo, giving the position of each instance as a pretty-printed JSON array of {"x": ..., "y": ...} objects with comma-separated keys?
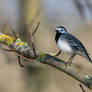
[
  {"x": 61, "y": 30},
  {"x": 64, "y": 46}
]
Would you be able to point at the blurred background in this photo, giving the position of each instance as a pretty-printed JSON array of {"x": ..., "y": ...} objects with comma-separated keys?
[{"x": 22, "y": 16}]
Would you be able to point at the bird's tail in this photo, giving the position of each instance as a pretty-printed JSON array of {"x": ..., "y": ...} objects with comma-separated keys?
[
  {"x": 90, "y": 59},
  {"x": 87, "y": 57}
]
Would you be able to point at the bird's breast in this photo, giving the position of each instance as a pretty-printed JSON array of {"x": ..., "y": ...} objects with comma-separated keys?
[{"x": 65, "y": 47}]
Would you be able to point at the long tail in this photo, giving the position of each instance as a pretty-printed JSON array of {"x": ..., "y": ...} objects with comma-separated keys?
[
  {"x": 87, "y": 57},
  {"x": 90, "y": 59}
]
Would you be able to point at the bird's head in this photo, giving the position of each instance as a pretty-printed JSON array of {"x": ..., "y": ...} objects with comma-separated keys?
[{"x": 61, "y": 29}]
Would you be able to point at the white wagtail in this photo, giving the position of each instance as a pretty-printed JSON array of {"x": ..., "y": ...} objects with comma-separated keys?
[{"x": 70, "y": 44}]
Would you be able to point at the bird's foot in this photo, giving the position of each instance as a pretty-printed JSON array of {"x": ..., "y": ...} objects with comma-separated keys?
[
  {"x": 68, "y": 64},
  {"x": 59, "y": 52}
]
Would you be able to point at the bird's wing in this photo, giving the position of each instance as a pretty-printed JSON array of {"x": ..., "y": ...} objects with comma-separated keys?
[{"x": 74, "y": 42}]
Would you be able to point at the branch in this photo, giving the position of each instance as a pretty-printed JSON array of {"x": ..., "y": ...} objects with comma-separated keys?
[
  {"x": 82, "y": 88},
  {"x": 70, "y": 70},
  {"x": 23, "y": 50}
]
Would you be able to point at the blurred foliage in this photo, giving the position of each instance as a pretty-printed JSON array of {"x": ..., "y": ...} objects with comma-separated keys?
[
  {"x": 31, "y": 14},
  {"x": 31, "y": 10}
]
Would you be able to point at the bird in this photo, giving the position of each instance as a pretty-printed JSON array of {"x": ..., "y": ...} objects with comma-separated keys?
[{"x": 70, "y": 45}]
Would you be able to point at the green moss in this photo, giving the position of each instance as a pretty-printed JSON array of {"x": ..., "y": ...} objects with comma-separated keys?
[{"x": 41, "y": 57}]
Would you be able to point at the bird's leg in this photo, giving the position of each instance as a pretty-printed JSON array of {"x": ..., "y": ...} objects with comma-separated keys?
[
  {"x": 19, "y": 62},
  {"x": 70, "y": 59},
  {"x": 58, "y": 53}
]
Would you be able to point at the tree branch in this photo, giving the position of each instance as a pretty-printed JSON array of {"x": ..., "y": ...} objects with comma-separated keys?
[
  {"x": 70, "y": 70},
  {"x": 82, "y": 88},
  {"x": 24, "y": 51}
]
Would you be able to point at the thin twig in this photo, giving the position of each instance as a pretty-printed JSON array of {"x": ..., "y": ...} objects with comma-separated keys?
[
  {"x": 20, "y": 62},
  {"x": 36, "y": 28},
  {"x": 32, "y": 22},
  {"x": 32, "y": 42},
  {"x": 34, "y": 49},
  {"x": 17, "y": 54},
  {"x": 32, "y": 34},
  {"x": 82, "y": 88}
]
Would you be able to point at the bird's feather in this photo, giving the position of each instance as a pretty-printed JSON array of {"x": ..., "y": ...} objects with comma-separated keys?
[{"x": 74, "y": 42}]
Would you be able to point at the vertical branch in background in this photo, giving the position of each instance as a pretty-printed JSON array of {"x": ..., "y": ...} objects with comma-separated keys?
[
  {"x": 31, "y": 13},
  {"x": 84, "y": 9},
  {"x": 80, "y": 8},
  {"x": 89, "y": 6},
  {"x": 22, "y": 24},
  {"x": 31, "y": 9}
]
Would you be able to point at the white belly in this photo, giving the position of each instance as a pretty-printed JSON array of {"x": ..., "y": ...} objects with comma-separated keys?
[{"x": 64, "y": 46}]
